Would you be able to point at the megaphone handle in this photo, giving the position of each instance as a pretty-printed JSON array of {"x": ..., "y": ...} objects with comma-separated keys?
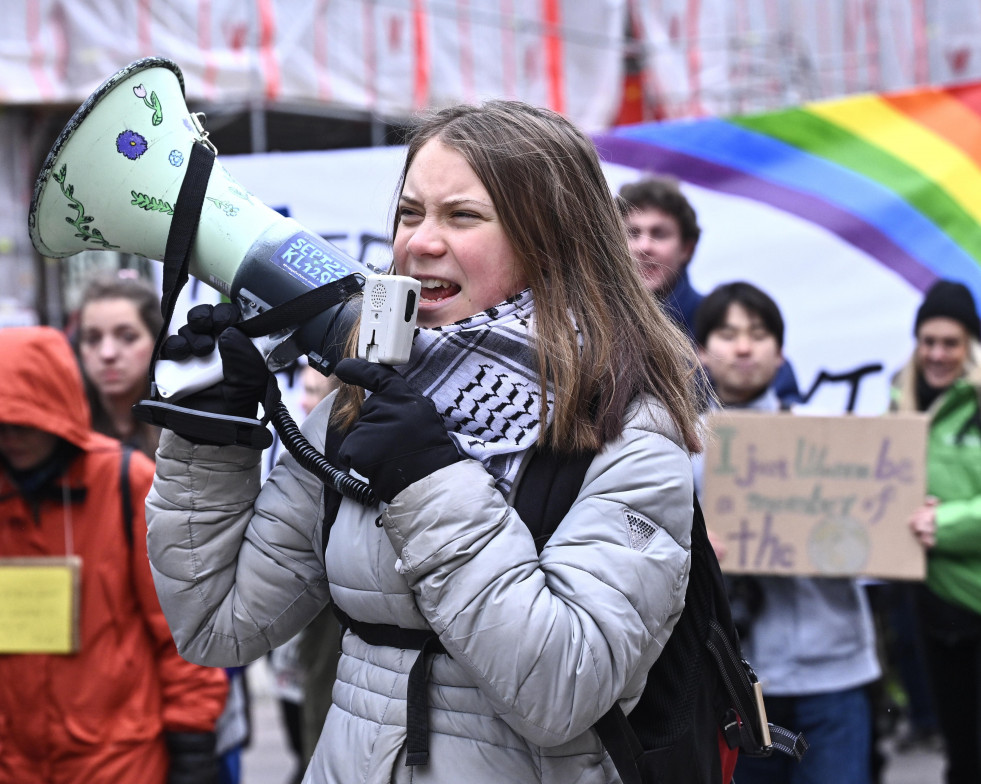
[
  {"x": 175, "y": 380},
  {"x": 218, "y": 429}
]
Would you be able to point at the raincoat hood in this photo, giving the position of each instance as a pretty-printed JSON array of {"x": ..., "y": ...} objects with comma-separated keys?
[{"x": 42, "y": 384}]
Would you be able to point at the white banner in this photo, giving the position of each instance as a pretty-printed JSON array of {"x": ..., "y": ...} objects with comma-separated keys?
[
  {"x": 394, "y": 57},
  {"x": 391, "y": 57},
  {"x": 843, "y": 309}
]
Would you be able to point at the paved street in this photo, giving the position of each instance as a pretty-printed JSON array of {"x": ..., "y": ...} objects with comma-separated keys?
[{"x": 268, "y": 760}]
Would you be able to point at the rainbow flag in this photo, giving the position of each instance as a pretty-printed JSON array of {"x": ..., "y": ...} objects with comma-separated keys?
[{"x": 898, "y": 175}]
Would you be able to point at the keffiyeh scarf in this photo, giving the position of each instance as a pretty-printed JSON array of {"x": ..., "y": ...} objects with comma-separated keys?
[{"x": 481, "y": 373}]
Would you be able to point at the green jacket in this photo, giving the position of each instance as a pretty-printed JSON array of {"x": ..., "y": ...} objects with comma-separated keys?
[{"x": 954, "y": 477}]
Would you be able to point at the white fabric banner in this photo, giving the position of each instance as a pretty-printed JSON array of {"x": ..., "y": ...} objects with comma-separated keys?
[
  {"x": 843, "y": 309},
  {"x": 724, "y": 57},
  {"x": 394, "y": 57},
  {"x": 391, "y": 57}
]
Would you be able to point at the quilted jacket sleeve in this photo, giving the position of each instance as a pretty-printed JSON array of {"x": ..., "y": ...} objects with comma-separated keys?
[
  {"x": 554, "y": 641},
  {"x": 206, "y": 526}
]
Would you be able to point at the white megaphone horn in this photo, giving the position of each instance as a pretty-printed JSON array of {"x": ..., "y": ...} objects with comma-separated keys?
[{"x": 111, "y": 182}]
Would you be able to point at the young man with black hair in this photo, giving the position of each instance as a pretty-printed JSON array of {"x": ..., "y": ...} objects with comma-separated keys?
[
  {"x": 811, "y": 640},
  {"x": 663, "y": 233}
]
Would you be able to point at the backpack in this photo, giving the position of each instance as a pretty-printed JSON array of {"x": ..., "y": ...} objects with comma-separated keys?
[
  {"x": 702, "y": 704},
  {"x": 126, "y": 494}
]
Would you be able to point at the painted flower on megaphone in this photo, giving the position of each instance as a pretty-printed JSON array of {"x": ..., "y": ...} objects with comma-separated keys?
[
  {"x": 152, "y": 103},
  {"x": 131, "y": 144}
]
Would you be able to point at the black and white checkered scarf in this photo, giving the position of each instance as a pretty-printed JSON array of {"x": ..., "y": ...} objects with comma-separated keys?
[{"x": 481, "y": 373}]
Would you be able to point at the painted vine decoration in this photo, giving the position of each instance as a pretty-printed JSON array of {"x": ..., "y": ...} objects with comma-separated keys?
[
  {"x": 82, "y": 221},
  {"x": 151, "y": 203},
  {"x": 225, "y": 206}
]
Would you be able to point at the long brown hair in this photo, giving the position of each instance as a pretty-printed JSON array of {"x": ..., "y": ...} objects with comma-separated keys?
[
  {"x": 555, "y": 206},
  {"x": 146, "y": 299}
]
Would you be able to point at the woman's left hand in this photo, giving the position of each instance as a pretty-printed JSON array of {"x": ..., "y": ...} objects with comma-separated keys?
[{"x": 399, "y": 437}]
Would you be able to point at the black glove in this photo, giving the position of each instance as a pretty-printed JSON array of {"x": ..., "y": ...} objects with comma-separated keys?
[
  {"x": 192, "y": 758},
  {"x": 246, "y": 383},
  {"x": 399, "y": 437},
  {"x": 246, "y": 377}
]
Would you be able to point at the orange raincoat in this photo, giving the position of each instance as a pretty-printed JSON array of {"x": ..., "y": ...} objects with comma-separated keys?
[{"x": 97, "y": 716}]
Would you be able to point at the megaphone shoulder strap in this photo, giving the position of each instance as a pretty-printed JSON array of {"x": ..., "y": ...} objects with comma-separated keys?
[
  {"x": 180, "y": 238},
  {"x": 300, "y": 308}
]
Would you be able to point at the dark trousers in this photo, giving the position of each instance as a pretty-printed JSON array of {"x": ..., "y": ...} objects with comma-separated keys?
[
  {"x": 952, "y": 646},
  {"x": 838, "y": 727}
]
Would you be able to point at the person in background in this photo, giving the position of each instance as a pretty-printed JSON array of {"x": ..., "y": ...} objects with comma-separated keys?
[
  {"x": 116, "y": 326},
  {"x": 320, "y": 642},
  {"x": 314, "y": 387},
  {"x": 122, "y": 707},
  {"x": 505, "y": 217},
  {"x": 943, "y": 379},
  {"x": 663, "y": 233},
  {"x": 117, "y": 323},
  {"x": 811, "y": 640}
]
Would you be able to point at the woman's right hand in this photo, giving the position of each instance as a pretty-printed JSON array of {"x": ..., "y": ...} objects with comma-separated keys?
[
  {"x": 399, "y": 437},
  {"x": 718, "y": 545}
]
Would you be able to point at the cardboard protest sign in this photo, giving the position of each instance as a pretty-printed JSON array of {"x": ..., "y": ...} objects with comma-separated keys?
[
  {"x": 824, "y": 496},
  {"x": 39, "y": 604}
]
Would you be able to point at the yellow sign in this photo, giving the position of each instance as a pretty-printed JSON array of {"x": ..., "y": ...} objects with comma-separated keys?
[{"x": 39, "y": 604}]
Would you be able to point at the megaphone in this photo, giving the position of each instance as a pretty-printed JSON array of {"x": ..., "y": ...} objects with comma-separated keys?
[
  {"x": 111, "y": 182},
  {"x": 120, "y": 177}
]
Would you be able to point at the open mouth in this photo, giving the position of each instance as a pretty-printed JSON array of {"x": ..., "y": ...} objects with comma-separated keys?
[{"x": 436, "y": 290}]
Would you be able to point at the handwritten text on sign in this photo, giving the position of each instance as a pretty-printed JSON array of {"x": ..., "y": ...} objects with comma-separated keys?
[
  {"x": 39, "y": 605},
  {"x": 816, "y": 495}
]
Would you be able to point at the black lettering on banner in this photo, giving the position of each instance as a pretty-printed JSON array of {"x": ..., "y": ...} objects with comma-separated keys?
[{"x": 852, "y": 377}]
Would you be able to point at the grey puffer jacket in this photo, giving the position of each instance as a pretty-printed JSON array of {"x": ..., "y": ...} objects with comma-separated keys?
[{"x": 539, "y": 647}]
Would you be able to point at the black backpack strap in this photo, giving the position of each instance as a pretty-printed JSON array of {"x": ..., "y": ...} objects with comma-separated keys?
[
  {"x": 546, "y": 488},
  {"x": 126, "y": 494},
  {"x": 332, "y": 498},
  {"x": 738, "y": 676},
  {"x": 621, "y": 743},
  {"x": 426, "y": 641}
]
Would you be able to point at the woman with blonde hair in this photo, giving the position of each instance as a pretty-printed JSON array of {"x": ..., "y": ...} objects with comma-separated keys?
[{"x": 534, "y": 333}]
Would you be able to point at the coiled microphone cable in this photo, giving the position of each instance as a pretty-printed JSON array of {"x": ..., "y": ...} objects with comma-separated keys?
[{"x": 313, "y": 461}]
